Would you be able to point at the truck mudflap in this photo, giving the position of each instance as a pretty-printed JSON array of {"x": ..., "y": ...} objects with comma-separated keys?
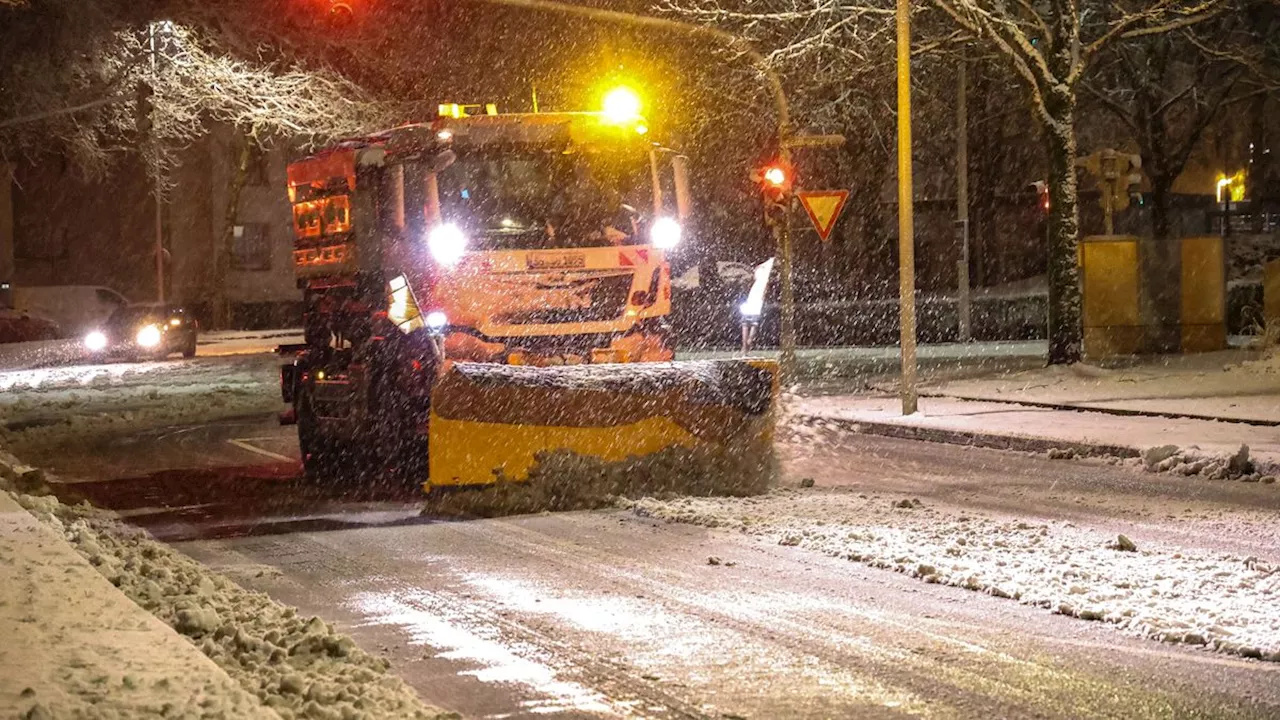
[{"x": 497, "y": 423}]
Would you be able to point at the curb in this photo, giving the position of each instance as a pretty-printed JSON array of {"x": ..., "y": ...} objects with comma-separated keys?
[
  {"x": 1122, "y": 412},
  {"x": 972, "y": 438}
]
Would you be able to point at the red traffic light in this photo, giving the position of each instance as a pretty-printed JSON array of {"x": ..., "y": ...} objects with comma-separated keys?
[
  {"x": 775, "y": 179},
  {"x": 1042, "y": 191}
]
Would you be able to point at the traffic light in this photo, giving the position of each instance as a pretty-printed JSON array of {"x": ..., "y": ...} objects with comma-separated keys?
[
  {"x": 775, "y": 180},
  {"x": 143, "y": 107},
  {"x": 1119, "y": 175},
  {"x": 1042, "y": 195},
  {"x": 1128, "y": 180}
]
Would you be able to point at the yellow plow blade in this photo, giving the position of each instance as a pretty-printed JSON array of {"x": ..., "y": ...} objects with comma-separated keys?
[{"x": 497, "y": 423}]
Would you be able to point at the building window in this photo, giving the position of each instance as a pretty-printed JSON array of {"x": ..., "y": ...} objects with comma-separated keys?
[
  {"x": 250, "y": 247},
  {"x": 258, "y": 171}
]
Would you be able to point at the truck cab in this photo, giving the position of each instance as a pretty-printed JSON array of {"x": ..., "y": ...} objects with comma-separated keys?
[{"x": 535, "y": 238}]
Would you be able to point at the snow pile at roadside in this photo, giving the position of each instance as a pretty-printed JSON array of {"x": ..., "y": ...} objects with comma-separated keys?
[
  {"x": 1223, "y": 602},
  {"x": 1190, "y": 461},
  {"x": 41, "y": 409},
  {"x": 296, "y": 665},
  {"x": 75, "y": 647}
]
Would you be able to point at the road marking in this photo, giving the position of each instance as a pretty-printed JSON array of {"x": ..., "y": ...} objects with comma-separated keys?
[{"x": 245, "y": 445}]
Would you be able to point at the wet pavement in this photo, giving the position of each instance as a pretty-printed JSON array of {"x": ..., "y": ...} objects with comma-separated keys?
[{"x": 601, "y": 614}]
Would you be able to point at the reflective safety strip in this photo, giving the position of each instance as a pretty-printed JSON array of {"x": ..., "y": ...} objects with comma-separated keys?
[{"x": 631, "y": 257}]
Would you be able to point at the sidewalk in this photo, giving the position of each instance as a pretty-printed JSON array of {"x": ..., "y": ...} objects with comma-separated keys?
[
  {"x": 75, "y": 646},
  {"x": 1204, "y": 405}
]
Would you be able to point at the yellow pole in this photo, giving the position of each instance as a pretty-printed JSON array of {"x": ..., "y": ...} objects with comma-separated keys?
[{"x": 906, "y": 229}]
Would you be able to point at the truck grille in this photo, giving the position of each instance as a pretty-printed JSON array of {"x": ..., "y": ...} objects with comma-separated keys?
[{"x": 608, "y": 301}]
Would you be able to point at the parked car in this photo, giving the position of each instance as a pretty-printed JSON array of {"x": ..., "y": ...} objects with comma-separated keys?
[
  {"x": 19, "y": 326},
  {"x": 145, "y": 330}
]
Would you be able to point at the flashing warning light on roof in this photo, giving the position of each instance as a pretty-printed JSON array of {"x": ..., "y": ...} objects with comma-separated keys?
[{"x": 621, "y": 105}]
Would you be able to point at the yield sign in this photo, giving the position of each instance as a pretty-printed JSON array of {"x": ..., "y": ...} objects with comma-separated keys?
[{"x": 824, "y": 208}]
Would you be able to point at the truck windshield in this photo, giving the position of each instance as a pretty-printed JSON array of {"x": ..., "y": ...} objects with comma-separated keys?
[{"x": 540, "y": 199}]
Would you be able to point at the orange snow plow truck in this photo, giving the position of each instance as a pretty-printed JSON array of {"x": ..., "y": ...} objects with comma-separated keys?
[{"x": 486, "y": 289}]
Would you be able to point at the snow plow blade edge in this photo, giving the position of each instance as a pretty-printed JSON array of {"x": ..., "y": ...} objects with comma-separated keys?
[{"x": 494, "y": 423}]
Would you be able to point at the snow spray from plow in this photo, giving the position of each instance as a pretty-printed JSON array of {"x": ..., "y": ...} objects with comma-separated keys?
[{"x": 501, "y": 423}]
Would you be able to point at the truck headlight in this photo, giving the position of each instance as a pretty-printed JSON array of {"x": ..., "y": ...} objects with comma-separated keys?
[
  {"x": 436, "y": 321},
  {"x": 446, "y": 243},
  {"x": 665, "y": 233},
  {"x": 95, "y": 341},
  {"x": 148, "y": 336}
]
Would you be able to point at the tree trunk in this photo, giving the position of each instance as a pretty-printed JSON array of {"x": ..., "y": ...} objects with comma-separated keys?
[
  {"x": 1161, "y": 281},
  {"x": 241, "y": 155},
  {"x": 1065, "y": 332}
]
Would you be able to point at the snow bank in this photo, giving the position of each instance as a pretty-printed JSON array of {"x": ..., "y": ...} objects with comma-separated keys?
[
  {"x": 76, "y": 647},
  {"x": 1223, "y": 602},
  {"x": 1222, "y": 466},
  {"x": 296, "y": 665}
]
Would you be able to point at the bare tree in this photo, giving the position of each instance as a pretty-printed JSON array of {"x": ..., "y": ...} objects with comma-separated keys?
[
  {"x": 1052, "y": 45},
  {"x": 95, "y": 66},
  {"x": 1167, "y": 91},
  {"x": 263, "y": 101}
]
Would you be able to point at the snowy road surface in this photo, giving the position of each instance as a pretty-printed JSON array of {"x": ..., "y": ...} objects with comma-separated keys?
[
  {"x": 599, "y": 614},
  {"x": 54, "y": 353}
]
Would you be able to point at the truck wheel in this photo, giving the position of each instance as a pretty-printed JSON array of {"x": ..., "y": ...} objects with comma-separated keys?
[{"x": 321, "y": 458}]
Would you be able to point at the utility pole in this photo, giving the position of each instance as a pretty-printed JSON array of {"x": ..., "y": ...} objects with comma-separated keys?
[
  {"x": 906, "y": 228},
  {"x": 156, "y": 189},
  {"x": 782, "y": 236},
  {"x": 965, "y": 308}
]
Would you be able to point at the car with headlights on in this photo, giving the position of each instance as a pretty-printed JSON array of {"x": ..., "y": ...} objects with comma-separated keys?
[{"x": 147, "y": 330}]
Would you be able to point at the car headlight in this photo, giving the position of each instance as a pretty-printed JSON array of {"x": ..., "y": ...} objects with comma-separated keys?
[
  {"x": 446, "y": 243},
  {"x": 148, "y": 336},
  {"x": 95, "y": 341},
  {"x": 665, "y": 233}
]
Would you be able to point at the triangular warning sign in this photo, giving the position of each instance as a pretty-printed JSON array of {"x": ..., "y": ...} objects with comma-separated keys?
[{"x": 824, "y": 208}]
